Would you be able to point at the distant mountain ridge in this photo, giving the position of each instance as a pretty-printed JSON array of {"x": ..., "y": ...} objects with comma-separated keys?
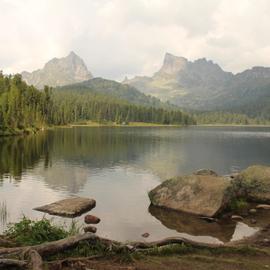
[
  {"x": 116, "y": 90},
  {"x": 59, "y": 72},
  {"x": 203, "y": 85}
]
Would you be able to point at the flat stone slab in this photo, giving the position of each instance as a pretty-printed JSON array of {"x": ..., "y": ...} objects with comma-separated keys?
[{"x": 71, "y": 207}]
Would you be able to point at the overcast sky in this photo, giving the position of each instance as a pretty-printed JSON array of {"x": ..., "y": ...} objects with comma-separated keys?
[{"x": 130, "y": 37}]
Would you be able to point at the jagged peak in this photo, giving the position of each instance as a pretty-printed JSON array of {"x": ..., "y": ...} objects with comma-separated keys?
[
  {"x": 172, "y": 64},
  {"x": 169, "y": 56}
]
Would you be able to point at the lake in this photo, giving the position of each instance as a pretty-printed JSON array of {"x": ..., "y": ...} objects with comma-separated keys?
[{"x": 117, "y": 167}]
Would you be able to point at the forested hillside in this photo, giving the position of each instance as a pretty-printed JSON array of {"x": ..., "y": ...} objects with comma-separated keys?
[
  {"x": 23, "y": 107},
  {"x": 116, "y": 90},
  {"x": 228, "y": 118},
  {"x": 74, "y": 106}
]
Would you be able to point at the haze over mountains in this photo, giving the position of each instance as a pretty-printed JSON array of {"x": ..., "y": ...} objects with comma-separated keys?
[
  {"x": 59, "y": 72},
  {"x": 203, "y": 85},
  {"x": 194, "y": 85}
]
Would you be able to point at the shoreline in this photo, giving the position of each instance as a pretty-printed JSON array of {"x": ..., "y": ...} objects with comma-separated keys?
[{"x": 18, "y": 132}]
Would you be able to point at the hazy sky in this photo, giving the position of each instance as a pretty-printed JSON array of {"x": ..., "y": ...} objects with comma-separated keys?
[{"x": 130, "y": 37}]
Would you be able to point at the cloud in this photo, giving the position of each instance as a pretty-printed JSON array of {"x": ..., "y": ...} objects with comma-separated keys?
[{"x": 119, "y": 37}]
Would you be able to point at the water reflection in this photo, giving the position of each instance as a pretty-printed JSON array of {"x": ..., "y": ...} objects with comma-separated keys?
[
  {"x": 193, "y": 225},
  {"x": 118, "y": 166},
  {"x": 3, "y": 213}
]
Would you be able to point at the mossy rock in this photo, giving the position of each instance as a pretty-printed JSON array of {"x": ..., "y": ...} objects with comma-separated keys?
[{"x": 254, "y": 184}]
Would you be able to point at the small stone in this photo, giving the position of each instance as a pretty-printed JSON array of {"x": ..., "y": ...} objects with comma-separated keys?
[
  {"x": 90, "y": 219},
  {"x": 145, "y": 235},
  {"x": 209, "y": 219},
  {"x": 206, "y": 172},
  {"x": 91, "y": 229},
  {"x": 252, "y": 211},
  {"x": 263, "y": 206},
  {"x": 237, "y": 218},
  {"x": 253, "y": 221},
  {"x": 266, "y": 240}
]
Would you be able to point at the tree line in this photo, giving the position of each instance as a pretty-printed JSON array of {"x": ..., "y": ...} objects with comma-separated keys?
[{"x": 23, "y": 106}]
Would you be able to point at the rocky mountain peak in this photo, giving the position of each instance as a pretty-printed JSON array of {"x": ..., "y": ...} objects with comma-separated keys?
[
  {"x": 59, "y": 72},
  {"x": 172, "y": 64}
]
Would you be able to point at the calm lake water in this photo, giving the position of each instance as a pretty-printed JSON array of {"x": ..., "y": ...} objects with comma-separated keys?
[{"x": 117, "y": 167}]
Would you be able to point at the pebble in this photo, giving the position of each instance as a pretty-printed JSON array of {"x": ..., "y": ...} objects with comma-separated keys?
[
  {"x": 237, "y": 218},
  {"x": 91, "y": 229},
  {"x": 89, "y": 219},
  {"x": 253, "y": 221},
  {"x": 252, "y": 211},
  {"x": 145, "y": 235}
]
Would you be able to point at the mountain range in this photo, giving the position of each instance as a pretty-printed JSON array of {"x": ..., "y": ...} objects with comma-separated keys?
[
  {"x": 200, "y": 85},
  {"x": 204, "y": 85}
]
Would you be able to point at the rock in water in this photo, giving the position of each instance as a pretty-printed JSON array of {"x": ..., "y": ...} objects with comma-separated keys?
[
  {"x": 254, "y": 183},
  {"x": 237, "y": 218},
  {"x": 252, "y": 211},
  {"x": 263, "y": 206},
  {"x": 198, "y": 194},
  {"x": 89, "y": 219},
  {"x": 145, "y": 235},
  {"x": 206, "y": 172},
  {"x": 71, "y": 207},
  {"x": 91, "y": 229}
]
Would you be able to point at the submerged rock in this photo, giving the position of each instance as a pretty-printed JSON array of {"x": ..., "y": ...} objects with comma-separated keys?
[
  {"x": 204, "y": 195},
  {"x": 206, "y": 172},
  {"x": 253, "y": 183},
  {"x": 89, "y": 219},
  {"x": 237, "y": 218},
  {"x": 71, "y": 207}
]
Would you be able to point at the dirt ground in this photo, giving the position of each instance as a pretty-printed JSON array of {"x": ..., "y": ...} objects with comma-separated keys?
[{"x": 256, "y": 257}]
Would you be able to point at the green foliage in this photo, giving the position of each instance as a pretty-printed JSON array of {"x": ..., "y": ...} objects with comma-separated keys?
[
  {"x": 72, "y": 106},
  {"x": 23, "y": 107},
  {"x": 229, "y": 118},
  {"x": 170, "y": 250},
  {"x": 29, "y": 232},
  {"x": 238, "y": 204}
]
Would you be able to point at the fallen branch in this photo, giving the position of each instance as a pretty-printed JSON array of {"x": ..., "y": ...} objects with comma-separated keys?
[
  {"x": 6, "y": 243},
  {"x": 4, "y": 263},
  {"x": 50, "y": 247},
  {"x": 35, "y": 253},
  {"x": 170, "y": 241},
  {"x": 36, "y": 260}
]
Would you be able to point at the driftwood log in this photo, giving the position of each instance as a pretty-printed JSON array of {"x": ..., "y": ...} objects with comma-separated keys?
[{"x": 31, "y": 256}]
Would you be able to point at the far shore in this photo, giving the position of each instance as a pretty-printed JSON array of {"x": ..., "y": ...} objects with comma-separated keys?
[
  {"x": 231, "y": 125},
  {"x": 27, "y": 131}
]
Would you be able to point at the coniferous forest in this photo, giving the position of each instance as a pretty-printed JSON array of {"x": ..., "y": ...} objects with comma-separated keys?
[{"x": 23, "y": 106}]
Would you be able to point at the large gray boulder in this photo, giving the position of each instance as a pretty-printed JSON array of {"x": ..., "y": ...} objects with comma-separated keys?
[
  {"x": 205, "y": 195},
  {"x": 253, "y": 184}
]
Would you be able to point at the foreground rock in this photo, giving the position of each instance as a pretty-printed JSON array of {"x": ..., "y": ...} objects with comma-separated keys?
[
  {"x": 91, "y": 229},
  {"x": 90, "y": 219},
  {"x": 203, "y": 194},
  {"x": 263, "y": 206},
  {"x": 71, "y": 207},
  {"x": 254, "y": 184}
]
